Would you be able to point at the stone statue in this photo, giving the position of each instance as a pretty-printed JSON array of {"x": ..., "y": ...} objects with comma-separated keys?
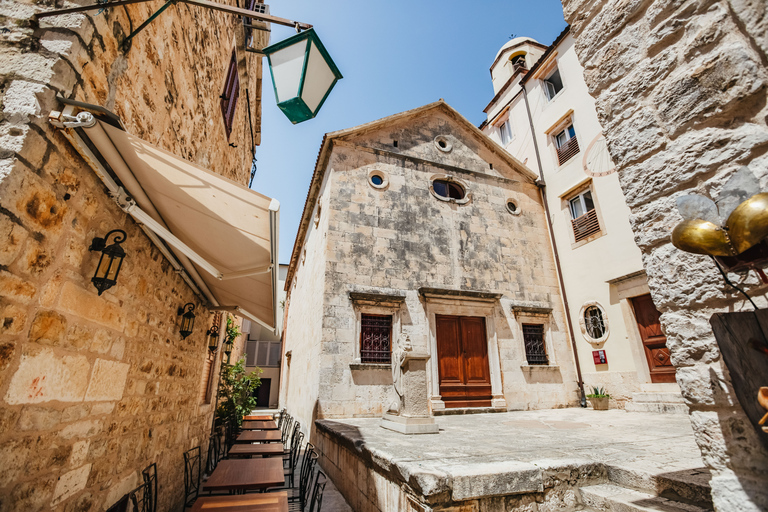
[{"x": 399, "y": 355}]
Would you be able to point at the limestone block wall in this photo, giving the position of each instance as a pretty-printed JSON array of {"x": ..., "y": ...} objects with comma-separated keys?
[
  {"x": 680, "y": 89},
  {"x": 94, "y": 388}
]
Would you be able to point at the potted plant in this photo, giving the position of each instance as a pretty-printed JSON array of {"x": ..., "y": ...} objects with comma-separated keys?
[
  {"x": 599, "y": 398},
  {"x": 236, "y": 392}
]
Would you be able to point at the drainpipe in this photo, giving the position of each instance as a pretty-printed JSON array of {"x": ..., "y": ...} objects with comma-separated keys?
[{"x": 541, "y": 183}]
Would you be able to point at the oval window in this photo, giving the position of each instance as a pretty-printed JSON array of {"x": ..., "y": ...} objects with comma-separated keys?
[
  {"x": 377, "y": 180},
  {"x": 594, "y": 322},
  {"x": 448, "y": 189},
  {"x": 512, "y": 208}
]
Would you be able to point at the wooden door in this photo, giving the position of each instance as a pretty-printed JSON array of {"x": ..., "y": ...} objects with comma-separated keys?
[
  {"x": 654, "y": 341},
  {"x": 462, "y": 353}
]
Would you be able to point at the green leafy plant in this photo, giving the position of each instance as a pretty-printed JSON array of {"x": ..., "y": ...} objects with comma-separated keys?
[
  {"x": 598, "y": 392},
  {"x": 236, "y": 391},
  {"x": 233, "y": 331}
]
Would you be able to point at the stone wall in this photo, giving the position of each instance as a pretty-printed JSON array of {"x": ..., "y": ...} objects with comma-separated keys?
[
  {"x": 95, "y": 388},
  {"x": 680, "y": 89}
]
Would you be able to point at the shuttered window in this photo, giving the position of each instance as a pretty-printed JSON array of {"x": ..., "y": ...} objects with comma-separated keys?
[
  {"x": 230, "y": 95},
  {"x": 583, "y": 216},
  {"x": 207, "y": 380}
]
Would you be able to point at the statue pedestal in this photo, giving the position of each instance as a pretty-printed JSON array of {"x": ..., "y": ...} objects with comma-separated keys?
[{"x": 414, "y": 417}]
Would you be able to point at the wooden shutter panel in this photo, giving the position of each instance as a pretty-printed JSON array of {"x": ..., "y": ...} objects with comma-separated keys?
[{"x": 230, "y": 95}]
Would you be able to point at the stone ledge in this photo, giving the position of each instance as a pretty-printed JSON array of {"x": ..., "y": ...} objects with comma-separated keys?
[
  {"x": 531, "y": 308},
  {"x": 543, "y": 367},
  {"x": 376, "y": 299},
  {"x": 370, "y": 366},
  {"x": 442, "y": 293}
]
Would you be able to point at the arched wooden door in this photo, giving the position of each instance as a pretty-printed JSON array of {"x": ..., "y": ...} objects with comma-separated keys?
[
  {"x": 654, "y": 341},
  {"x": 462, "y": 353}
]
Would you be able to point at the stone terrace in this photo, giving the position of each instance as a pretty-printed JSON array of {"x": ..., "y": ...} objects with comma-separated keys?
[{"x": 564, "y": 459}]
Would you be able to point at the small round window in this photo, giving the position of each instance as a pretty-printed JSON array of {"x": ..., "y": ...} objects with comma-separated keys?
[
  {"x": 443, "y": 144},
  {"x": 512, "y": 207},
  {"x": 378, "y": 179},
  {"x": 594, "y": 322},
  {"x": 448, "y": 189}
]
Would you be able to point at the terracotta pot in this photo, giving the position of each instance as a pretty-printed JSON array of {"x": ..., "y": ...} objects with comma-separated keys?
[{"x": 600, "y": 403}]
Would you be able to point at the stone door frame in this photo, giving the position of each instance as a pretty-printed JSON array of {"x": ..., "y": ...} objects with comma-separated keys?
[{"x": 463, "y": 306}]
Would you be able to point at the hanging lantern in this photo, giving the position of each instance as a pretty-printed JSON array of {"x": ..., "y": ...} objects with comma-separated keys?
[
  {"x": 303, "y": 75},
  {"x": 228, "y": 346},
  {"x": 110, "y": 262},
  {"x": 187, "y": 319},
  {"x": 213, "y": 338}
]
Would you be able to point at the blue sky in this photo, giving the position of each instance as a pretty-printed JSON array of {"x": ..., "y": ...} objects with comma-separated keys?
[{"x": 394, "y": 56}]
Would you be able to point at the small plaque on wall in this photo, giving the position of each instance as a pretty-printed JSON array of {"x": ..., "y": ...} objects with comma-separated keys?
[{"x": 599, "y": 357}]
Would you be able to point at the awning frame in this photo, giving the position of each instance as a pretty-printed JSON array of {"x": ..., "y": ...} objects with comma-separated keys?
[{"x": 71, "y": 126}]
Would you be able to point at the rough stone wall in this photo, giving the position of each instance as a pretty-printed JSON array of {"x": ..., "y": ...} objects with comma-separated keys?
[
  {"x": 400, "y": 238},
  {"x": 93, "y": 389},
  {"x": 681, "y": 92}
]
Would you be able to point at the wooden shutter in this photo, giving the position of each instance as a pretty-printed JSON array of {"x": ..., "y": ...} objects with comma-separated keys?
[{"x": 230, "y": 95}]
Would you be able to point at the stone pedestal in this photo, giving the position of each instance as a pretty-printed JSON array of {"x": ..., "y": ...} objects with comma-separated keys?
[{"x": 413, "y": 417}]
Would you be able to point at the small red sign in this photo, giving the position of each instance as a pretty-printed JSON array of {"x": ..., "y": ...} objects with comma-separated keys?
[{"x": 599, "y": 357}]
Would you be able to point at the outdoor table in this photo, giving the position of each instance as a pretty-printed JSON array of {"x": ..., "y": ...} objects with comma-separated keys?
[
  {"x": 265, "y": 417},
  {"x": 259, "y": 425},
  {"x": 246, "y": 474},
  {"x": 249, "y": 450},
  {"x": 267, "y": 502},
  {"x": 260, "y": 436}
]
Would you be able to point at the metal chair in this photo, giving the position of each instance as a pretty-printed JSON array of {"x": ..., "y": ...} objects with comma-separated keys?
[
  {"x": 307, "y": 467},
  {"x": 140, "y": 498},
  {"x": 213, "y": 453},
  {"x": 222, "y": 441},
  {"x": 192, "y": 474},
  {"x": 280, "y": 418},
  {"x": 150, "y": 478},
  {"x": 317, "y": 493},
  {"x": 288, "y": 427},
  {"x": 293, "y": 453}
]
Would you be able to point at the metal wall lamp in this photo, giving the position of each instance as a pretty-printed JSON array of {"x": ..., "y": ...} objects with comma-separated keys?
[
  {"x": 105, "y": 276},
  {"x": 187, "y": 319},
  {"x": 303, "y": 73},
  {"x": 213, "y": 338}
]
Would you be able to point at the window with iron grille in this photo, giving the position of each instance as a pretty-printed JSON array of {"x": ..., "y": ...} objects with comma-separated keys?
[
  {"x": 375, "y": 337},
  {"x": 533, "y": 336},
  {"x": 230, "y": 95}
]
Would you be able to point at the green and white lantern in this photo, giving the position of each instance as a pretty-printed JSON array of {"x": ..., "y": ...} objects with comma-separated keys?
[{"x": 303, "y": 74}]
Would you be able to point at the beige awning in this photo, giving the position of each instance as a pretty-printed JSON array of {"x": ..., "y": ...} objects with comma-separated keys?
[{"x": 223, "y": 234}]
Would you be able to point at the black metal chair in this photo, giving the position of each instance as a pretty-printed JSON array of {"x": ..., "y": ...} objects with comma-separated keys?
[
  {"x": 317, "y": 492},
  {"x": 140, "y": 498},
  {"x": 307, "y": 467},
  {"x": 213, "y": 453},
  {"x": 150, "y": 478},
  {"x": 286, "y": 429},
  {"x": 293, "y": 453},
  {"x": 192, "y": 474},
  {"x": 280, "y": 418},
  {"x": 222, "y": 442}
]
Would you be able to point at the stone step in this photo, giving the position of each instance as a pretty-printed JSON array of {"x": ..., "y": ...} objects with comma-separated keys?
[
  {"x": 612, "y": 498},
  {"x": 689, "y": 485},
  {"x": 659, "y": 407},
  {"x": 664, "y": 397}
]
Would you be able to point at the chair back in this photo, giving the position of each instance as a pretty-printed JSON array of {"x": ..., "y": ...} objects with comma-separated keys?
[
  {"x": 288, "y": 429},
  {"x": 281, "y": 419},
  {"x": 192, "y": 474},
  {"x": 140, "y": 498},
  {"x": 307, "y": 466},
  {"x": 317, "y": 493},
  {"x": 298, "y": 437},
  {"x": 221, "y": 435},
  {"x": 150, "y": 478},
  {"x": 213, "y": 453}
]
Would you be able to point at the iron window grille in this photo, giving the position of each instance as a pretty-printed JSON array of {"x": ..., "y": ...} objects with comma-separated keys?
[
  {"x": 594, "y": 323},
  {"x": 375, "y": 338},
  {"x": 533, "y": 336},
  {"x": 230, "y": 95}
]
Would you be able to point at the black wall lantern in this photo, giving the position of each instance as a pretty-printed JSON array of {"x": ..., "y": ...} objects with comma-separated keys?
[
  {"x": 187, "y": 319},
  {"x": 228, "y": 347},
  {"x": 111, "y": 260},
  {"x": 213, "y": 338}
]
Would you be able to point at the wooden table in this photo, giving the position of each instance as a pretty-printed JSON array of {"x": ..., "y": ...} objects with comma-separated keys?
[
  {"x": 259, "y": 425},
  {"x": 260, "y": 436},
  {"x": 265, "y": 417},
  {"x": 267, "y": 502},
  {"x": 249, "y": 450},
  {"x": 246, "y": 474}
]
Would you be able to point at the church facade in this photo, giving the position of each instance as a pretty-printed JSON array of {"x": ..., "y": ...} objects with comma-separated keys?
[{"x": 420, "y": 232}]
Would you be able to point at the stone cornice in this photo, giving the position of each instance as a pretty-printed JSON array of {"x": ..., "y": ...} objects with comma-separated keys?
[
  {"x": 376, "y": 299},
  {"x": 444, "y": 293}
]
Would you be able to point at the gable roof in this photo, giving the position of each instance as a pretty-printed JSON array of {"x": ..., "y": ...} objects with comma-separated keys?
[
  {"x": 327, "y": 145},
  {"x": 514, "y": 43}
]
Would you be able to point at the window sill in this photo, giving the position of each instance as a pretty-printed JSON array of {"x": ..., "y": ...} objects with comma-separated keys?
[
  {"x": 546, "y": 367},
  {"x": 370, "y": 366}
]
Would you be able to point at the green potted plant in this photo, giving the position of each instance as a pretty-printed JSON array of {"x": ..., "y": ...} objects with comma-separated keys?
[
  {"x": 236, "y": 392},
  {"x": 599, "y": 398}
]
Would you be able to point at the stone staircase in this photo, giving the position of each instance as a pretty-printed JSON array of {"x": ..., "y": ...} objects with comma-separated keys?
[
  {"x": 630, "y": 491},
  {"x": 661, "y": 398}
]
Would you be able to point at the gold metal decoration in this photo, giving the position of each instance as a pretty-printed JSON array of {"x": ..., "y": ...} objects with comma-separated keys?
[
  {"x": 748, "y": 224},
  {"x": 702, "y": 237}
]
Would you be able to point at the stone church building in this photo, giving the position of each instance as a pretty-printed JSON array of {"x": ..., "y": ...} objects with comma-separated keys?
[{"x": 420, "y": 231}]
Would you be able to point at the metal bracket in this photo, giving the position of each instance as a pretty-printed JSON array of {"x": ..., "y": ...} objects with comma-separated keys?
[{"x": 82, "y": 120}]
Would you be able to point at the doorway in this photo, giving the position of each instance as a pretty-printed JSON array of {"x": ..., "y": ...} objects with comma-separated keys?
[
  {"x": 462, "y": 353},
  {"x": 262, "y": 393},
  {"x": 654, "y": 341}
]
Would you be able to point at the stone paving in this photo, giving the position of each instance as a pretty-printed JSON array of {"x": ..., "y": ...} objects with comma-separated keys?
[{"x": 470, "y": 448}]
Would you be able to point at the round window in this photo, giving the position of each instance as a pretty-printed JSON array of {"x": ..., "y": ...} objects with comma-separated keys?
[
  {"x": 512, "y": 207},
  {"x": 378, "y": 179},
  {"x": 594, "y": 322},
  {"x": 443, "y": 144},
  {"x": 448, "y": 189}
]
